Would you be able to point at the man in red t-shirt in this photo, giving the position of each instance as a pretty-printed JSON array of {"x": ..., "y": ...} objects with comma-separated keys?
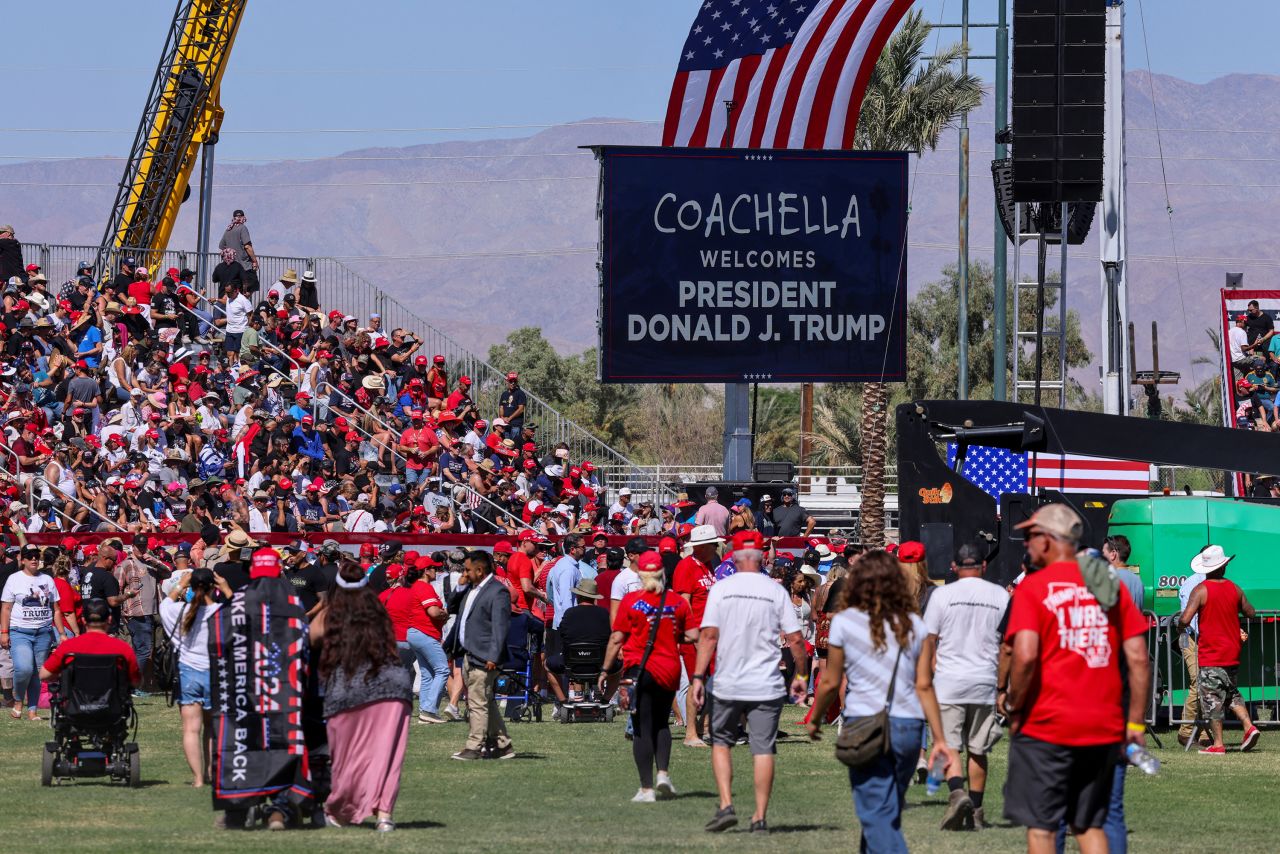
[
  {"x": 419, "y": 445},
  {"x": 692, "y": 580},
  {"x": 94, "y": 641},
  {"x": 1064, "y": 689},
  {"x": 1220, "y": 604}
]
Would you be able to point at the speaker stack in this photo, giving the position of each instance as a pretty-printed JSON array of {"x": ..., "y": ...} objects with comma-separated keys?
[{"x": 1059, "y": 91}]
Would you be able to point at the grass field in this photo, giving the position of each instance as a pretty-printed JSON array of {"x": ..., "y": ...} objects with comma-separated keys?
[{"x": 569, "y": 791}]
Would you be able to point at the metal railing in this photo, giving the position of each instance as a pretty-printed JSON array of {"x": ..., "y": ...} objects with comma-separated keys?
[
  {"x": 53, "y": 487},
  {"x": 1258, "y": 681},
  {"x": 346, "y": 289}
]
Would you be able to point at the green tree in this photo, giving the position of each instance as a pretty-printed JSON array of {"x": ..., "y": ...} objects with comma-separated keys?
[
  {"x": 569, "y": 384},
  {"x": 910, "y": 100},
  {"x": 933, "y": 339}
]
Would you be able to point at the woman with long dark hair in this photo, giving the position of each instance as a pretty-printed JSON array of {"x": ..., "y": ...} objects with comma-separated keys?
[
  {"x": 366, "y": 702},
  {"x": 185, "y": 616},
  {"x": 874, "y": 641},
  {"x": 651, "y": 671}
]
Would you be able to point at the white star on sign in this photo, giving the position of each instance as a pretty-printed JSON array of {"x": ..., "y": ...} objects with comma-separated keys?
[
  {"x": 715, "y": 14},
  {"x": 707, "y": 40},
  {"x": 735, "y": 38},
  {"x": 719, "y": 54},
  {"x": 697, "y": 31},
  {"x": 725, "y": 26},
  {"x": 689, "y": 55}
]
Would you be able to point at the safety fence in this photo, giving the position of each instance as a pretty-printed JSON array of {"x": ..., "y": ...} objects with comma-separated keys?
[
  {"x": 344, "y": 289},
  {"x": 1172, "y": 649}
]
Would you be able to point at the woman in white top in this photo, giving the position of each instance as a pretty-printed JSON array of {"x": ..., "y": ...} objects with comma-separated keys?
[
  {"x": 185, "y": 614},
  {"x": 29, "y": 616},
  {"x": 876, "y": 639}
]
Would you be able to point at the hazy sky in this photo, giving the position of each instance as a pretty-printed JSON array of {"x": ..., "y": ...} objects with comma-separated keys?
[{"x": 418, "y": 64}]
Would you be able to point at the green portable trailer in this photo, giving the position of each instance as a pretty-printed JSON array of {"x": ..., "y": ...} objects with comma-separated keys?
[{"x": 1166, "y": 532}]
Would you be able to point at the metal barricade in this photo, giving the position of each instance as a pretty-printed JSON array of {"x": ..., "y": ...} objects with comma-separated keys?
[{"x": 1257, "y": 674}]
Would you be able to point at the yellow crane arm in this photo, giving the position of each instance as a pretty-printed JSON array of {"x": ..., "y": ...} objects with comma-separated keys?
[{"x": 182, "y": 114}]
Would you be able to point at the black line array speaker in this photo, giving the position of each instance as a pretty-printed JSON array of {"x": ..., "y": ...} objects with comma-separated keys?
[{"x": 1059, "y": 91}]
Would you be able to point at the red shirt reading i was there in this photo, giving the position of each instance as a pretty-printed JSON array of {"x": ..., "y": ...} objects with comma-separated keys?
[
  {"x": 1075, "y": 701},
  {"x": 693, "y": 577},
  {"x": 635, "y": 612}
]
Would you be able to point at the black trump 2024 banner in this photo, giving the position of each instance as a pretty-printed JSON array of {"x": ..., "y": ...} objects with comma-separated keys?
[
  {"x": 741, "y": 265},
  {"x": 257, "y": 674}
]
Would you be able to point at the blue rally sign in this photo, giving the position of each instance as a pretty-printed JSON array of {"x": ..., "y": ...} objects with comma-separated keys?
[{"x": 741, "y": 265}]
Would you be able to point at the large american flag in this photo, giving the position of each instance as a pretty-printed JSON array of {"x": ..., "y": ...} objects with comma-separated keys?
[
  {"x": 996, "y": 471},
  {"x": 795, "y": 70}
]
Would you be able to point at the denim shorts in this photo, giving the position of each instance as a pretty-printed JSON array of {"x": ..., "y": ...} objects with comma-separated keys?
[{"x": 193, "y": 687}]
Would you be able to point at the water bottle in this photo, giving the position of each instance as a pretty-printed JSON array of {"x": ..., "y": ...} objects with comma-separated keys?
[
  {"x": 934, "y": 781},
  {"x": 1141, "y": 757}
]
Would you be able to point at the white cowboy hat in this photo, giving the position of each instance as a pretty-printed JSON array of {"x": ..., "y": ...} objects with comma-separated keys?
[
  {"x": 1210, "y": 559},
  {"x": 701, "y": 536}
]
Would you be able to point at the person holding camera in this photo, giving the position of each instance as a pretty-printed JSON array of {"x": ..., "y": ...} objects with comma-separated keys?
[{"x": 648, "y": 624}]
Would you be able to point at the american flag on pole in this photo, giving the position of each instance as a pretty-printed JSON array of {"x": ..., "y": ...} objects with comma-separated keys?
[
  {"x": 996, "y": 471},
  {"x": 795, "y": 70}
]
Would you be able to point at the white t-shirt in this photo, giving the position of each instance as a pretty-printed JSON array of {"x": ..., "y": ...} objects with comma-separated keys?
[
  {"x": 751, "y": 611},
  {"x": 1236, "y": 339},
  {"x": 965, "y": 615},
  {"x": 193, "y": 648},
  {"x": 238, "y": 311},
  {"x": 33, "y": 598},
  {"x": 868, "y": 670},
  {"x": 626, "y": 581}
]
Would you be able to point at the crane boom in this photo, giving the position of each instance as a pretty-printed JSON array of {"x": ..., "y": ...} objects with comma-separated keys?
[{"x": 182, "y": 113}]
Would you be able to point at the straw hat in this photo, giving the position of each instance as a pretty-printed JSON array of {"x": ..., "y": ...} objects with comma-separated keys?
[
  {"x": 702, "y": 535},
  {"x": 290, "y": 276},
  {"x": 374, "y": 382}
]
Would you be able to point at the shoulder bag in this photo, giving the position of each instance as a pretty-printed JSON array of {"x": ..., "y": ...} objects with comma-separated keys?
[{"x": 864, "y": 740}]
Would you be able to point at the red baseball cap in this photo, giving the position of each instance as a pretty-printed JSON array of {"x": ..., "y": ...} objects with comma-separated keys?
[
  {"x": 340, "y": 423},
  {"x": 464, "y": 380},
  {"x": 265, "y": 564},
  {"x": 438, "y": 359},
  {"x": 911, "y": 552},
  {"x": 668, "y": 545},
  {"x": 284, "y": 483},
  {"x": 650, "y": 561},
  {"x": 420, "y": 360},
  {"x": 415, "y": 414},
  {"x": 531, "y": 464},
  {"x": 512, "y": 376},
  {"x": 353, "y": 436},
  {"x": 302, "y": 395},
  {"x": 748, "y": 540},
  {"x": 529, "y": 446},
  {"x": 395, "y": 571},
  {"x": 307, "y": 419},
  {"x": 528, "y": 535},
  {"x": 503, "y": 547}
]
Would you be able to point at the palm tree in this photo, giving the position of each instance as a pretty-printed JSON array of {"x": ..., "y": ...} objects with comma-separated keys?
[{"x": 909, "y": 103}]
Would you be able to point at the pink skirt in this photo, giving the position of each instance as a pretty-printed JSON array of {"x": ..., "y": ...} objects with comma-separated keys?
[{"x": 367, "y": 747}]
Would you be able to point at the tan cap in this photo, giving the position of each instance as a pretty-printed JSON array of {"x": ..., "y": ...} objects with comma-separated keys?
[{"x": 1059, "y": 520}]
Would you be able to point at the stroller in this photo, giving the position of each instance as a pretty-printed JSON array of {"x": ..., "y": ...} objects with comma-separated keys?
[
  {"x": 92, "y": 714},
  {"x": 582, "y": 665}
]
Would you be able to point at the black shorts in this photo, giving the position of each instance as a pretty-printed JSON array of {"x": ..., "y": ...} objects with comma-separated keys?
[
  {"x": 1048, "y": 783},
  {"x": 553, "y": 646},
  {"x": 537, "y": 631}
]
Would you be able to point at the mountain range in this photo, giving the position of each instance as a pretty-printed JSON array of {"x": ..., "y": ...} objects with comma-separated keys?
[{"x": 482, "y": 237}]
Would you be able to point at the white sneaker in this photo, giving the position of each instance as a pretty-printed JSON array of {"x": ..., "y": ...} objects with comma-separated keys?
[
  {"x": 644, "y": 796},
  {"x": 557, "y": 713},
  {"x": 451, "y": 712},
  {"x": 665, "y": 787}
]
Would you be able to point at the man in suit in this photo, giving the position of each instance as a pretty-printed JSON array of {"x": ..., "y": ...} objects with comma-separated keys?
[{"x": 481, "y": 635}]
